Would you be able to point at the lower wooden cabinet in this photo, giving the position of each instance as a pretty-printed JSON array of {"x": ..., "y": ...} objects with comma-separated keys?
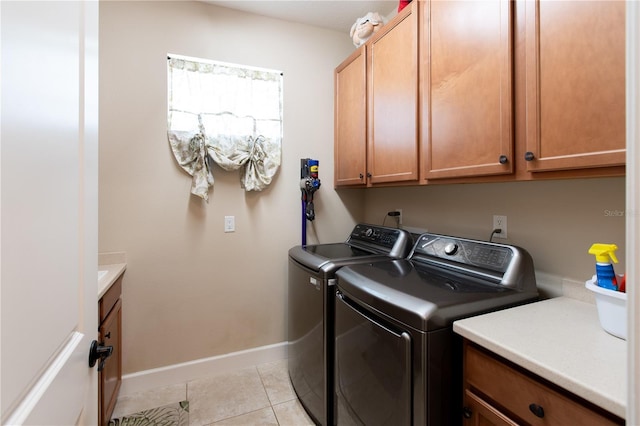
[
  {"x": 498, "y": 393},
  {"x": 478, "y": 412},
  {"x": 110, "y": 334}
]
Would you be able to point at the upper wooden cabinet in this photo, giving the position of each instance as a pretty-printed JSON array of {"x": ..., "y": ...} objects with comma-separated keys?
[
  {"x": 392, "y": 66},
  {"x": 575, "y": 84},
  {"x": 485, "y": 91},
  {"x": 350, "y": 121},
  {"x": 466, "y": 79},
  {"x": 376, "y": 107}
]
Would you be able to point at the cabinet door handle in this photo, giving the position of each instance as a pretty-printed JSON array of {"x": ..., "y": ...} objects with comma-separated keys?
[
  {"x": 368, "y": 174},
  {"x": 466, "y": 412},
  {"x": 503, "y": 159},
  {"x": 528, "y": 156},
  {"x": 537, "y": 410},
  {"x": 361, "y": 176},
  {"x": 108, "y": 335}
]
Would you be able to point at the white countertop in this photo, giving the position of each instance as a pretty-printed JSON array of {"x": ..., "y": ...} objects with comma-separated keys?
[
  {"x": 562, "y": 341},
  {"x": 115, "y": 265}
]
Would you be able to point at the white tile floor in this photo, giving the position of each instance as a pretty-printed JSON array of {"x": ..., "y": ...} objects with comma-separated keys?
[{"x": 260, "y": 395}]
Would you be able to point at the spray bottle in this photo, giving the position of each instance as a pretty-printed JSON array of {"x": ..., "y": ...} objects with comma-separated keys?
[{"x": 604, "y": 269}]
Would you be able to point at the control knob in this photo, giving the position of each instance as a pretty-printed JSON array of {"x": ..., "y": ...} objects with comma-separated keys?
[
  {"x": 368, "y": 232},
  {"x": 451, "y": 249}
]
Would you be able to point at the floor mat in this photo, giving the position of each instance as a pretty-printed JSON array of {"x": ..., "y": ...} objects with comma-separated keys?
[{"x": 176, "y": 414}]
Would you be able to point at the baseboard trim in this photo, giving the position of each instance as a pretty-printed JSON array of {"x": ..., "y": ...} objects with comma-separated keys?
[{"x": 186, "y": 371}]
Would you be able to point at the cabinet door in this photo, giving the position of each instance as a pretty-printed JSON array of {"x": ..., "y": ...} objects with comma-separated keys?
[
  {"x": 575, "y": 75},
  {"x": 466, "y": 72},
  {"x": 350, "y": 145},
  {"x": 393, "y": 100},
  {"x": 478, "y": 412},
  {"x": 524, "y": 396},
  {"x": 110, "y": 376}
]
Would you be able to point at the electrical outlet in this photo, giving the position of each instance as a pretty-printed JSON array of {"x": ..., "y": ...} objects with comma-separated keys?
[
  {"x": 500, "y": 222},
  {"x": 399, "y": 218},
  {"x": 229, "y": 224}
]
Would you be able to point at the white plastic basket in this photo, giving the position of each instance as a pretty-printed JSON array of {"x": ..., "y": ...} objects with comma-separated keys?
[{"x": 612, "y": 309}]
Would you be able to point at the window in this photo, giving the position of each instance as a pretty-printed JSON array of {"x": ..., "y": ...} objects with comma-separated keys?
[{"x": 226, "y": 113}]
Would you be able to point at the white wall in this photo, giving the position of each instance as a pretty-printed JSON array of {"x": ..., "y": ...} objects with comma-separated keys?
[
  {"x": 556, "y": 221},
  {"x": 190, "y": 290}
]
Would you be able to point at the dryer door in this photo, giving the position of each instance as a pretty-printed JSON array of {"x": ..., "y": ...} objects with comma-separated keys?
[
  {"x": 308, "y": 346},
  {"x": 373, "y": 368}
]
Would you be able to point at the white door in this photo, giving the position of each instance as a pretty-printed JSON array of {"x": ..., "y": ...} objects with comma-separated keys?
[
  {"x": 48, "y": 216},
  {"x": 633, "y": 209}
]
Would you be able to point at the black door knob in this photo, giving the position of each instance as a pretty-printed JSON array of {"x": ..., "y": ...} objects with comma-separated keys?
[
  {"x": 99, "y": 352},
  {"x": 361, "y": 176},
  {"x": 503, "y": 159},
  {"x": 537, "y": 410},
  {"x": 528, "y": 156}
]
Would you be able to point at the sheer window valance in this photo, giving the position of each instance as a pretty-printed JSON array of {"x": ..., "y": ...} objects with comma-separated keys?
[{"x": 228, "y": 114}]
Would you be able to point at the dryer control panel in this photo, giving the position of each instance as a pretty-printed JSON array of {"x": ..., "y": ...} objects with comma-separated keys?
[{"x": 393, "y": 241}]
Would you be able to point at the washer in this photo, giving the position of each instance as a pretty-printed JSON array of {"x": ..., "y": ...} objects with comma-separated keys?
[
  {"x": 311, "y": 304},
  {"x": 397, "y": 359}
]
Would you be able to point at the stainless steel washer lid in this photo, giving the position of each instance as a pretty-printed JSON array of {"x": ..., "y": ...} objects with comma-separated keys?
[
  {"x": 365, "y": 243},
  {"x": 421, "y": 297},
  {"x": 316, "y": 257}
]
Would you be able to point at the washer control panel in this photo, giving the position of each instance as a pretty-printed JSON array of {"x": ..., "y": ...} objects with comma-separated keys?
[
  {"x": 463, "y": 252},
  {"x": 491, "y": 263}
]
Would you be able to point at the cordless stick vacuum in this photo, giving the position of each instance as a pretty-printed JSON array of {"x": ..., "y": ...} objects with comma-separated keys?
[{"x": 309, "y": 183}]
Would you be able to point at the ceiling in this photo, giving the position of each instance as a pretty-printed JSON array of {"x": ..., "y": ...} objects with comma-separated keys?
[{"x": 331, "y": 14}]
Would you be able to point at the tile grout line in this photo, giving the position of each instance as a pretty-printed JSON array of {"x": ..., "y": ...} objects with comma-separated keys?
[
  {"x": 264, "y": 386},
  {"x": 266, "y": 376}
]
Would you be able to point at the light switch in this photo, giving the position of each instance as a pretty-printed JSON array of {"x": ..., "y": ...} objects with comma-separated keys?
[{"x": 229, "y": 224}]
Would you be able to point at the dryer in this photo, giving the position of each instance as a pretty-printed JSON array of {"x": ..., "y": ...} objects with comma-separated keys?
[{"x": 311, "y": 303}]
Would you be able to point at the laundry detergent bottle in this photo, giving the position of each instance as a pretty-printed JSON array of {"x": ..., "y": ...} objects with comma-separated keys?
[{"x": 605, "y": 274}]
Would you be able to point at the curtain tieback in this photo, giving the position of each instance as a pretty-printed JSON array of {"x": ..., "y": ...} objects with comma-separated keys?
[{"x": 258, "y": 159}]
